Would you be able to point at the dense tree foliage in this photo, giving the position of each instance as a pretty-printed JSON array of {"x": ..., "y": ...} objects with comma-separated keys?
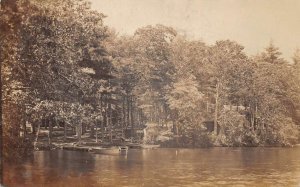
[
  {"x": 61, "y": 66},
  {"x": 57, "y": 69}
]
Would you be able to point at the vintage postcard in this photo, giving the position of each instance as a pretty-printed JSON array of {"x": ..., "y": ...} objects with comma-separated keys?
[{"x": 150, "y": 93}]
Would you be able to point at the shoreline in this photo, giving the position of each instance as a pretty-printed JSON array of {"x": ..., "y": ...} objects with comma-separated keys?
[{"x": 83, "y": 147}]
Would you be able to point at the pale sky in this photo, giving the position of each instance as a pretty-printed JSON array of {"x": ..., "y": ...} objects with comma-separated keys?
[{"x": 252, "y": 23}]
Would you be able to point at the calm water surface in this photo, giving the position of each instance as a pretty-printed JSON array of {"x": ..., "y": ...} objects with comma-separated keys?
[{"x": 160, "y": 167}]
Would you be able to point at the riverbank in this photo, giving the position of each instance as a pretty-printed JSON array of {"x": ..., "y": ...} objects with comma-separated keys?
[
  {"x": 88, "y": 146},
  {"x": 58, "y": 141},
  {"x": 87, "y": 143}
]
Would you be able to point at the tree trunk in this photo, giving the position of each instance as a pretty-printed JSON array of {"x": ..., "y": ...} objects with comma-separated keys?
[
  {"x": 252, "y": 120},
  {"x": 102, "y": 130},
  {"x": 102, "y": 120},
  {"x": 252, "y": 111},
  {"x": 166, "y": 114},
  {"x": 156, "y": 114},
  {"x": 37, "y": 135},
  {"x": 110, "y": 123},
  {"x": 216, "y": 109},
  {"x": 131, "y": 117},
  {"x": 92, "y": 133},
  {"x": 65, "y": 130},
  {"x": 79, "y": 132},
  {"x": 24, "y": 122},
  {"x": 175, "y": 129},
  {"x": 46, "y": 124},
  {"x": 255, "y": 118},
  {"x": 128, "y": 111},
  {"x": 33, "y": 127},
  {"x": 83, "y": 131},
  {"x": 222, "y": 130},
  {"x": 207, "y": 106},
  {"x": 138, "y": 117},
  {"x": 50, "y": 131},
  {"x": 97, "y": 131},
  {"x": 123, "y": 117}
]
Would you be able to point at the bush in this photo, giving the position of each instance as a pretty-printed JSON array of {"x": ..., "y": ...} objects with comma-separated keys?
[
  {"x": 283, "y": 132},
  {"x": 235, "y": 131}
]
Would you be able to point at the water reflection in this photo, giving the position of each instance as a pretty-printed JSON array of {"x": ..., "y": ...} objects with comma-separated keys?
[{"x": 160, "y": 167}]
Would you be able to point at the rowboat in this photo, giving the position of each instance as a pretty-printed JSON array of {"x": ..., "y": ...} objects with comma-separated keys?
[
  {"x": 121, "y": 150},
  {"x": 146, "y": 146}
]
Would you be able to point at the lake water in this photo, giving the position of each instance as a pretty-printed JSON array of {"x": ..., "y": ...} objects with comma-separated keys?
[{"x": 160, "y": 167}]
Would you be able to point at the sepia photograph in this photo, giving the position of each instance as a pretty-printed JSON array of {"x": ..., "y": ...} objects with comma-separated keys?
[{"x": 150, "y": 93}]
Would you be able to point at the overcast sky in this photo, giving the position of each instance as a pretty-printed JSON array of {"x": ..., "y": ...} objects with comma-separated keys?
[{"x": 252, "y": 23}]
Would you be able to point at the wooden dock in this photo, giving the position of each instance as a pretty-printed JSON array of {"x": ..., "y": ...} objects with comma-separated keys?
[{"x": 100, "y": 149}]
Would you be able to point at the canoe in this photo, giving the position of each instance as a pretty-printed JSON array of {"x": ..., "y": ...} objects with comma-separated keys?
[
  {"x": 111, "y": 151},
  {"x": 145, "y": 146}
]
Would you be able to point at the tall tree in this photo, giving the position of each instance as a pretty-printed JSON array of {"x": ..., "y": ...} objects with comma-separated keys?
[
  {"x": 153, "y": 58},
  {"x": 224, "y": 58},
  {"x": 271, "y": 54}
]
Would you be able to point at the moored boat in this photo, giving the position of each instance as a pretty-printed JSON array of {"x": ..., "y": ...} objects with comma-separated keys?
[
  {"x": 111, "y": 150},
  {"x": 147, "y": 146}
]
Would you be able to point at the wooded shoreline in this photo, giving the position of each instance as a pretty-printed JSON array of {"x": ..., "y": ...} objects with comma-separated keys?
[{"x": 63, "y": 68}]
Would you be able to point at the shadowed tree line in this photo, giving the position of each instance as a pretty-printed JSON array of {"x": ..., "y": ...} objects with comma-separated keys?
[{"x": 61, "y": 66}]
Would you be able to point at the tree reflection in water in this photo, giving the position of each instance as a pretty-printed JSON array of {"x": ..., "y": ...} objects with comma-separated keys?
[{"x": 160, "y": 167}]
